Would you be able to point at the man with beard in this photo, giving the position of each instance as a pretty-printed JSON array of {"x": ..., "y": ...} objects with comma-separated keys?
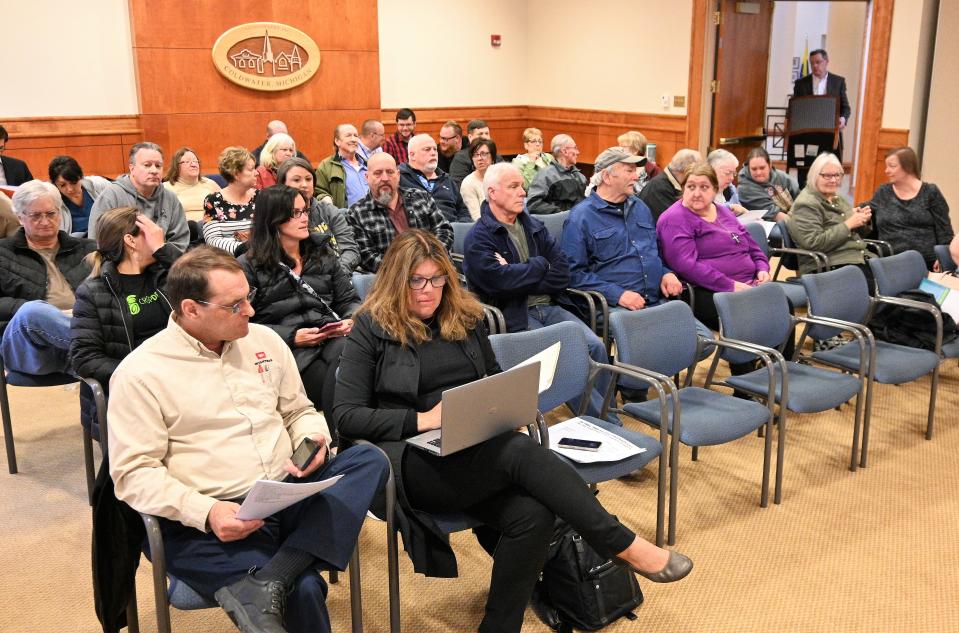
[
  {"x": 141, "y": 188},
  {"x": 422, "y": 173},
  {"x": 341, "y": 177},
  {"x": 388, "y": 210},
  {"x": 451, "y": 141},
  {"x": 396, "y": 143}
]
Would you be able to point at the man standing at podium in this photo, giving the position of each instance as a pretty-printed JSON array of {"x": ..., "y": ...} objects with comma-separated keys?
[{"x": 821, "y": 82}]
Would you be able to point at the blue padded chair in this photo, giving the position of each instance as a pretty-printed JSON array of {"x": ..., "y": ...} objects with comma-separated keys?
[
  {"x": 663, "y": 340},
  {"x": 576, "y": 375},
  {"x": 554, "y": 224},
  {"x": 902, "y": 272},
  {"x": 946, "y": 263},
  {"x": 20, "y": 379},
  {"x": 793, "y": 290},
  {"x": 460, "y": 229},
  {"x": 180, "y": 595},
  {"x": 760, "y": 316},
  {"x": 793, "y": 252},
  {"x": 363, "y": 283},
  {"x": 218, "y": 179},
  {"x": 843, "y": 294}
]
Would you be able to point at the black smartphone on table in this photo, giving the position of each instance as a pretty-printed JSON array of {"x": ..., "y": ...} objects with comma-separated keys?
[
  {"x": 580, "y": 445},
  {"x": 305, "y": 453}
]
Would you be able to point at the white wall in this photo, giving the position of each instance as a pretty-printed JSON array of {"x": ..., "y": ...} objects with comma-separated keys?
[
  {"x": 435, "y": 53},
  {"x": 608, "y": 55},
  {"x": 942, "y": 125},
  {"x": 67, "y": 58},
  {"x": 563, "y": 53},
  {"x": 903, "y": 56}
]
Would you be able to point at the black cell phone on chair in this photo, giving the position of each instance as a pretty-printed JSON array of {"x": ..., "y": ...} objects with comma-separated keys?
[
  {"x": 305, "y": 453},
  {"x": 580, "y": 445}
]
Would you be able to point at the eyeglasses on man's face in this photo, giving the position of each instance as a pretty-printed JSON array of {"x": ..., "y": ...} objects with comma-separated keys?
[
  {"x": 419, "y": 283},
  {"x": 50, "y": 216},
  {"x": 236, "y": 307}
]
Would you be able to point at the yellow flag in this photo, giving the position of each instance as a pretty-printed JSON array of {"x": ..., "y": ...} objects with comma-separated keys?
[{"x": 805, "y": 60}]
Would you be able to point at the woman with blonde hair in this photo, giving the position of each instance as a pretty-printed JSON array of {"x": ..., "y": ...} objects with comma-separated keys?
[
  {"x": 419, "y": 333},
  {"x": 535, "y": 158},
  {"x": 228, "y": 214},
  {"x": 278, "y": 148},
  {"x": 183, "y": 178},
  {"x": 121, "y": 304}
]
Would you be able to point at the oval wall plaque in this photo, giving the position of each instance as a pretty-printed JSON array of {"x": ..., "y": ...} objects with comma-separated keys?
[{"x": 266, "y": 56}]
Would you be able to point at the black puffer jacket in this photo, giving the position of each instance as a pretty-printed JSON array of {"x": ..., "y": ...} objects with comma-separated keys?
[
  {"x": 284, "y": 306},
  {"x": 23, "y": 273},
  {"x": 101, "y": 328}
]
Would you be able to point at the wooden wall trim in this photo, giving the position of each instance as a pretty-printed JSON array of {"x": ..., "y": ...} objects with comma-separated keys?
[
  {"x": 99, "y": 143},
  {"x": 697, "y": 56},
  {"x": 880, "y": 31}
]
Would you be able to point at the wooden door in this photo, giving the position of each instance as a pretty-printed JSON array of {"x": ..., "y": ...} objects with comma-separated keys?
[{"x": 739, "y": 88}]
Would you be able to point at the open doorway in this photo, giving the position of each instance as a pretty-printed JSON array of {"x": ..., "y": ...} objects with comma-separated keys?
[{"x": 778, "y": 36}]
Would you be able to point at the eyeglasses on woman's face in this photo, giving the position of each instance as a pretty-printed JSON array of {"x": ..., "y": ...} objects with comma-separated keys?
[{"x": 419, "y": 283}]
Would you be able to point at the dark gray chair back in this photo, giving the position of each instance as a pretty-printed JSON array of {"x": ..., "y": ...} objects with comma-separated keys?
[
  {"x": 946, "y": 263},
  {"x": 662, "y": 338},
  {"x": 838, "y": 294},
  {"x": 460, "y": 229},
  {"x": 759, "y": 315},
  {"x": 898, "y": 273}
]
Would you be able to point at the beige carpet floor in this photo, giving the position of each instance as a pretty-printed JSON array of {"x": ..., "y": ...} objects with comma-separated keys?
[{"x": 874, "y": 550}]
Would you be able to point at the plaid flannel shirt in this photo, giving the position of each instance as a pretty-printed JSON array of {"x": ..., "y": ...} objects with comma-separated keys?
[
  {"x": 396, "y": 148},
  {"x": 374, "y": 231}
]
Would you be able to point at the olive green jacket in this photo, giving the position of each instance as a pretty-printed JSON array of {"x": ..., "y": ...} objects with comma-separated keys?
[
  {"x": 330, "y": 181},
  {"x": 816, "y": 224}
]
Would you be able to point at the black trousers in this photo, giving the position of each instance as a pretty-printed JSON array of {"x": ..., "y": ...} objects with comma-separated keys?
[
  {"x": 513, "y": 485},
  {"x": 319, "y": 377}
]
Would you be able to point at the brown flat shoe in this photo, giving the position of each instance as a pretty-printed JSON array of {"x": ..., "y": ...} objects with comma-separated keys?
[{"x": 677, "y": 567}]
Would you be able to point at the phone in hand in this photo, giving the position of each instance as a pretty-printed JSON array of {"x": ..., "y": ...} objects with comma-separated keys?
[
  {"x": 330, "y": 325},
  {"x": 580, "y": 445},
  {"x": 305, "y": 453}
]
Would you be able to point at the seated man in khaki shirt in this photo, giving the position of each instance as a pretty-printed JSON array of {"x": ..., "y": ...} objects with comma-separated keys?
[
  {"x": 40, "y": 267},
  {"x": 201, "y": 411}
]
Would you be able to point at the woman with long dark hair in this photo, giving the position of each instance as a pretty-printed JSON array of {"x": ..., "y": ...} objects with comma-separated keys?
[{"x": 302, "y": 291}]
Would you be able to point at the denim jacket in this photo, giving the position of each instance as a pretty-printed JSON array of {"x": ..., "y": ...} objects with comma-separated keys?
[{"x": 613, "y": 251}]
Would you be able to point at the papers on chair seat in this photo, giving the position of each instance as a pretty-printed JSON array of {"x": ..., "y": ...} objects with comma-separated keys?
[
  {"x": 613, "y": 448},
  {"x": 946, "y": 297},
  {"x": 755, "y": 216},
  {"x": 548, "y": 359},
  {"x": 269, "y": 497}
]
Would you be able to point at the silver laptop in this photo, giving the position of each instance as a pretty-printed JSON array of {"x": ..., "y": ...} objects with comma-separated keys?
[{"x": 485, "y": 408}]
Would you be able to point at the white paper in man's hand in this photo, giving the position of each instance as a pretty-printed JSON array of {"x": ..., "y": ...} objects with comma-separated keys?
[{"x": 269, "y": 497}]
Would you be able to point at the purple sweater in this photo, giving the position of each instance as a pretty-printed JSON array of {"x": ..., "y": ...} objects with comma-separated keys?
[{"x": 711, "y": 255}]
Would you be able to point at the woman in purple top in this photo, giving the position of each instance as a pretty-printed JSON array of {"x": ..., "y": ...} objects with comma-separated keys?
[{"x": 705, "y": 244}]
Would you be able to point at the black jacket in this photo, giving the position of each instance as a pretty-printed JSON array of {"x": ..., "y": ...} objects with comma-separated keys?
[
  {"x": 101, "y": 329},
  {"x": 659, "y": 194},
  {"x": 376, "y": 392},
  {"x": 15, "y": 170},
  {"x": 23, "y": 273},
  {"x": 835, "y": 86},
  {"x": 284, "y": 306},
  {"x": 445, "y": 194}
]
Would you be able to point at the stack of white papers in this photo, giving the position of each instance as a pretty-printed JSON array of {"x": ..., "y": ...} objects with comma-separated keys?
[
  {"x": 269, "y": 497},
  {"x": 613, "y": 447},
  {"x": 548, "y": 359}
]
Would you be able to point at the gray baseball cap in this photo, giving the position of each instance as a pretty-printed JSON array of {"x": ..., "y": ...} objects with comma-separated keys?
[{"x": 614, "y": 155}]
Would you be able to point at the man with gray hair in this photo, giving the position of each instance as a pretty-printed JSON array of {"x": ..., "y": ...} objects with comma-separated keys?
[
  {"x": 40, "y": 268},
  {"x": 142, "y": 188},
  {"x": 666, "y": 188},
  {"x": 560, "y": 185},
  {"x": 513, "y": 263},
  {"x": 422, "y": 172}
]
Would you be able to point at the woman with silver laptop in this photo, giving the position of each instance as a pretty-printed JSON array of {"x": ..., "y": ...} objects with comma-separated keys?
[{"x": 418, "y": 334}]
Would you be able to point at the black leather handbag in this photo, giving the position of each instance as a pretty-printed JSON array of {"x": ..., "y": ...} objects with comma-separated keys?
[{"x": 579, "y": 588}]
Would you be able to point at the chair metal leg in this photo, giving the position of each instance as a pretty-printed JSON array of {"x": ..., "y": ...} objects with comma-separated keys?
[
  {"x": 356, "y": 594},
  {"x": 695, "y": 453},
  {"x": 857, "y": 426},
  {"x": 88, "y": 463},
  {"x": 392, "y": 555},
  {"x": 7, "y": 426},
  {"x": 866, "y": 420},
  {"x": 158, "y": 559},
  {"x": 933, "y": 390}
]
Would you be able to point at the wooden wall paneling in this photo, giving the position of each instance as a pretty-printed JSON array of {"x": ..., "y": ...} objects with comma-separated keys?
[
  {"x": 204, "y": 110},
  {"x": 877, "y": 61},
  {"x": 99, "y": 144},
  {"x": 888, "y": 138}
]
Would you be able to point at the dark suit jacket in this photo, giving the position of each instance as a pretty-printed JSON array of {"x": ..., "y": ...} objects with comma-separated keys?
[
  {"x": 835, "y": 85},
  {"x": 15, "y": 170}
]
